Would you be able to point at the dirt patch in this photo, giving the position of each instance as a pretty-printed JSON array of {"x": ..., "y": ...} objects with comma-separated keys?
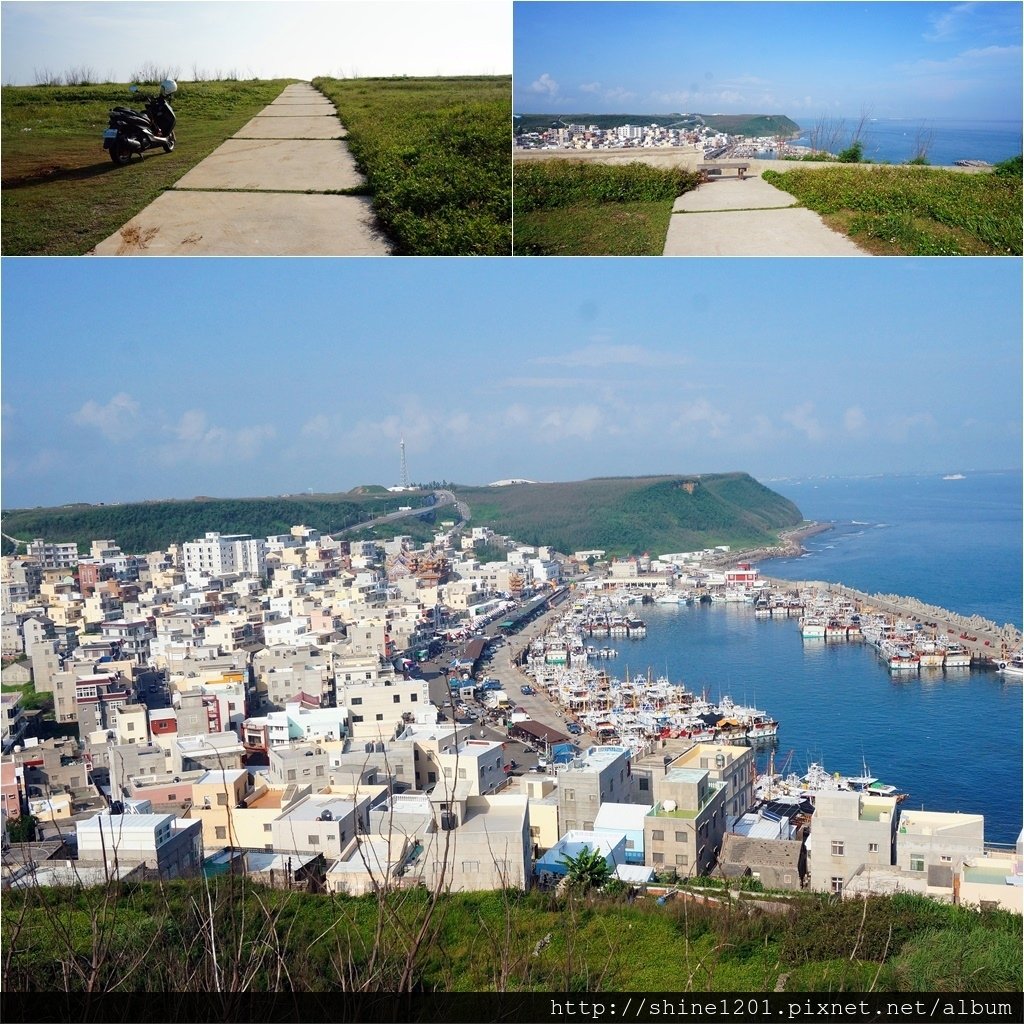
[{"x": 134, "y": 239}]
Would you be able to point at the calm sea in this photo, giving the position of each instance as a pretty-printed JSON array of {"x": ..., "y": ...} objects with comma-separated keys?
[
  {"x": 952, "y": 740},
  {"x": 895, "y": 140}
]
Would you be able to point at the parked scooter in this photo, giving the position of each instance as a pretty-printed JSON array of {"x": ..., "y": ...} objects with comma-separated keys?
[{"x": 132, "y": 131}]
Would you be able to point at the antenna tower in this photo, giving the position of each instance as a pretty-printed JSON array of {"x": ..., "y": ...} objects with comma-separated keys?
[{"x": 405, "y": 468}]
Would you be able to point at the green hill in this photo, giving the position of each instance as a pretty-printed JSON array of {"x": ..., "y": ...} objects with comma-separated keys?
[
  {"x": 623, "y": 515},
  {"x": 751, "y": 125},
  {"x": 153, "y": 525},
  {"x": 631, "y": 515}
]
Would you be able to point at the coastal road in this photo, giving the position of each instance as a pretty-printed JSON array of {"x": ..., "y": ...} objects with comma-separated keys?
[
  {"x": 274, "y": 189},
  {"x": 443, "y": 498}
]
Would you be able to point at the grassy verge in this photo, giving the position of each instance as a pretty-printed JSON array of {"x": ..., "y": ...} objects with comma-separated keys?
[
  {"x": 61, "y": 193},
  {"x": 571, "y": 208},
  {"x": 436, "y": 157},
  {"x": 913, "y": 211},
  {"x": 494, "y": 941}
]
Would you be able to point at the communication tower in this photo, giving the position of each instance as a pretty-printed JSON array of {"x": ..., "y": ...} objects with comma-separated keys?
[{"x": 405, "y": 468}]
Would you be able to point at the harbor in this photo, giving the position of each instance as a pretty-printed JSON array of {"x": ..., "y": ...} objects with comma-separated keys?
[{"x": 835, "y": 708}]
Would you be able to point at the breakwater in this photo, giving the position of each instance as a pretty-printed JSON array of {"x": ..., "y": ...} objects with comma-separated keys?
[{"x": 987, "y": 643}]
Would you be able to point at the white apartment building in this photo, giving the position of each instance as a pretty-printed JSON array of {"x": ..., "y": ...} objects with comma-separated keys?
[{"x": 217, "y": 555}]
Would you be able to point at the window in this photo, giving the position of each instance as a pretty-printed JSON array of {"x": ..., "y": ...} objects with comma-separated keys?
[
  {"x": 682, "y": 837},
  {"x": 872, "y": 847},
  {"x": 657, "y": 858},
  {"x": 314, "y": 840},
  {"x": 630, "y": 845},
  {"x": 397, "y": 698},
  {"x": 291, "y": 774},
  {"x": 837, "y": 885},
  {"x": 463, "y": 774},
  {"x": 448, "y": 773},
  {"x": 535, "y": 831},
  {"x": 380, "y": 718},
  {"x": 357, "y": 718},
  {"x": 682, "y": 859},
  {"x": 657, "y": 834},
  {"x": 945, "y": 859},
  {"x": 645, "y": 783},
  {"x": 357, "y": 700},
  {"x": 415, "y": 697},
  {"x": 431, "y": 777},
  {"x": 838, "y": 848},
  {"x": 917, "y": 862},
  {"x": 267, "y": 827},
  {"x": 222, "y": 799},
  {"x": 222, "y": 832}
]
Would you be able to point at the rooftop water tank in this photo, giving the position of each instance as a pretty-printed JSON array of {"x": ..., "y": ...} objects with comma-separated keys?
[{"x": 669, "y": 806}]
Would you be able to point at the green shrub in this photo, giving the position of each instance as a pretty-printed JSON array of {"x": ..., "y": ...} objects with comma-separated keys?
[{"x": 552, "y": 184}]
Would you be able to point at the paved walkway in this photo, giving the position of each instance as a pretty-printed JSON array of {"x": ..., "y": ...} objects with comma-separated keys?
[
  {"x": 267, "y": 191},
  {"x": 748, "y": 217}
]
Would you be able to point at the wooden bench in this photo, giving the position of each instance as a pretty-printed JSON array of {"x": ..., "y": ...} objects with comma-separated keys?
[{"x": 715, "y": 169}]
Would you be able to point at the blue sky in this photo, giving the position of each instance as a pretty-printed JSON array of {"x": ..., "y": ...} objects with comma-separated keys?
[
  {"x": 959, "y": 60},
  {"x": 277, "y": 376},
  {"x": 281, "y": 39}
]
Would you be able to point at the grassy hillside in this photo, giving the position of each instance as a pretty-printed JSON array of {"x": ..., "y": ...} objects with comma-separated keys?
[
  {"x": 239, "y": 936},
  {"x": 61, "y": 193},
  {"x": 574, "y": 208},
  {"x": 636, "y": 514},
  {"x": 621, "y": 514},
  {"x": 152, "y": 525},
  {"x": 914, "y": 211},
  {"x": 752, "y": 125}
]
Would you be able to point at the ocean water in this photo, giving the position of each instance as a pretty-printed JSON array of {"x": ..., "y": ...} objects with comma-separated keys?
[
  {"x": 952, "y": 543},
  {"x": 889, "y": 140},
  {"x": 951, "y": 739}
]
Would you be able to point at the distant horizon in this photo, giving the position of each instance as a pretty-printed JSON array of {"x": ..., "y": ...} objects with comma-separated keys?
[{"x": 767, "y": 481}]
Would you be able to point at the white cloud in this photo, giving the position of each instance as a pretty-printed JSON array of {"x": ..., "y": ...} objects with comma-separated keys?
[
  {"x": 582, "y": 421},
  {"x": 194, "y": 438},
  {"x": 948, "y": 23},
  {"x": 545, "y": 86},
  {"x": 614, "y": 355},
  {"x": 117, "y": 421},
  {"x": 803, "y": 419},
  {"x": 702, "y": 415},
  {"x": 618, "y": 93},
  {"x": 591, "y": 87},
  {"x": 319, "y": 426},
  {"x": 854, "y": 419}
]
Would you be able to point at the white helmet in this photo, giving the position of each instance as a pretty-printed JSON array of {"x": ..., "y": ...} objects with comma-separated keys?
[{"x": 168, "y": 86}]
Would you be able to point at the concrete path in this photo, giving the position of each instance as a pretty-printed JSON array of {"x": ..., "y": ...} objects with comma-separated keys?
[
  {"x": 265, "y": 192},
  {"x": 749, "y": 217}
]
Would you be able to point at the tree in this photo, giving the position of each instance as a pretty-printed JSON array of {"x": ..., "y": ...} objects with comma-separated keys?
[
  {"x": 23, "y": 829},
  {"x": 587, "y": 870}
]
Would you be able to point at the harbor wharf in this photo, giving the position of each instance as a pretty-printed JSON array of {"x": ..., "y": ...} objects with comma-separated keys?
[{"x": 987, "y": 643}]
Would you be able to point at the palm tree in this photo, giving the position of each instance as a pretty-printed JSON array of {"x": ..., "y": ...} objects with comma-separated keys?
[{"x": 588, "y": 869}]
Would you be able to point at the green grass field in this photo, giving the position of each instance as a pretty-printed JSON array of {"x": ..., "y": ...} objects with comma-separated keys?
[
  {"x": 435, "y": 153},
  {"x": 913, "y": 211},
  {"x": 61, "y": 192},
  {"x": 488, "y": 941},
  {"x": 573, "y": 208}
]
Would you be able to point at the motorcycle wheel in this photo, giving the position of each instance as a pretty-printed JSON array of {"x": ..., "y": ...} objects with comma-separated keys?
[
  {"x": 120, "y": 153},
  {"x": 169, "y": 144}
]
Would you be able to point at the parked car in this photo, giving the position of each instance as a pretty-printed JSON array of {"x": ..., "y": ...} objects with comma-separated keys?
[
  {"x": 527, "y": 691},
  {"x": 574, "y": 729}
]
